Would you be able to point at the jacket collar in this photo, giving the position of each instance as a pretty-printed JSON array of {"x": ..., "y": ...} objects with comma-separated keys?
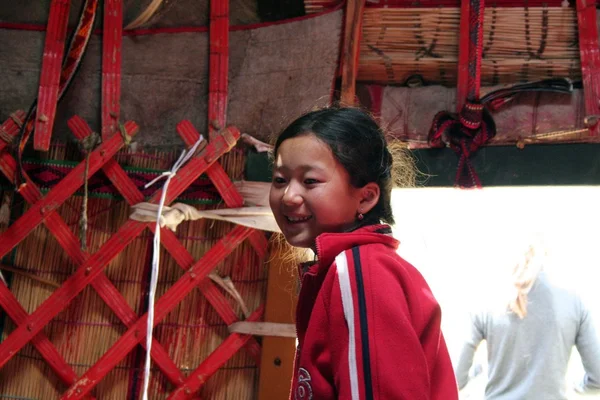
[{"x": 329, "y": 245}]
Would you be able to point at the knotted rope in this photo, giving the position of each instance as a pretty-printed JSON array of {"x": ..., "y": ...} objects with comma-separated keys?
[
  {"x": 86, "y": 144},
  {"x": 474, "y": 126},
  {"x": 185, "y": 156}
]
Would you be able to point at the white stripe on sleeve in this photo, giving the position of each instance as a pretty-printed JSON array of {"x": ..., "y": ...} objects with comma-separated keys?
[{"x": 341, "y": 263}]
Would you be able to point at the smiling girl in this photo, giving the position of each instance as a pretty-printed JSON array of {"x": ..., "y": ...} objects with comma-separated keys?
[{"x": 368, "y": 325}]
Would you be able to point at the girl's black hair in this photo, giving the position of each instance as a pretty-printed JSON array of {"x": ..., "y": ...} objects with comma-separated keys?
[{"x": 358, "y": 143}]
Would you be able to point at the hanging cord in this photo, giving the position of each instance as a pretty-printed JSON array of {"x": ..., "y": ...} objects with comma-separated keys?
[
  {"x": 183, "y": 158},
  {"x": 86, "y": 144},
  {"x": 474, "y": 126}
]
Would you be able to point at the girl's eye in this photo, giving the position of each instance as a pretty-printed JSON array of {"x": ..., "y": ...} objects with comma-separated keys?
[
  {"x": 310, "y": 181},
  {"x": 278, "y": 180}
]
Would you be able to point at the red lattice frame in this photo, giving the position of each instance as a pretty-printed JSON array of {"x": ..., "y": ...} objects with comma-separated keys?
[{"x": 90, "y": 266}]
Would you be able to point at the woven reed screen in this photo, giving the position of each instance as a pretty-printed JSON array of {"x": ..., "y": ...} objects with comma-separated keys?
[{"x": 87, "y": 328}]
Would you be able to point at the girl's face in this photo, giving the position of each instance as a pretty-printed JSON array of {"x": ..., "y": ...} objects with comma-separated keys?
[{"x": 311, "y": 191}]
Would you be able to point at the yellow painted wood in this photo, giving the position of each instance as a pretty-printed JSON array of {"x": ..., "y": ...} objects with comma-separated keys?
[{"x": 278, "y": 353}]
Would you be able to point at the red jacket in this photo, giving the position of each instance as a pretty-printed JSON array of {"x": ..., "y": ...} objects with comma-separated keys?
[{"x": 394, "y": 349}]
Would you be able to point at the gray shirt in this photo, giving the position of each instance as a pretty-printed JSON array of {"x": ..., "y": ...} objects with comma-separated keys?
[{"x": 528, "y": 358}]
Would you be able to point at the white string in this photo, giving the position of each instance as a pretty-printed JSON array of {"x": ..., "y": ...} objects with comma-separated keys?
[{"x": 183, "y": 158}]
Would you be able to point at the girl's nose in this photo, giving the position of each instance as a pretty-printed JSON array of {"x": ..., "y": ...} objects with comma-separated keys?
[{"x": 291, "y": 196}]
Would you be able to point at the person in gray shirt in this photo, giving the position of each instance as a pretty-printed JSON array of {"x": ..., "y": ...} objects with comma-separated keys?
[{"x": 529, "y": 342}]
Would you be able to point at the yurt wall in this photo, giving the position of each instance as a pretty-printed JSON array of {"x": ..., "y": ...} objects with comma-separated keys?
[{"x": 77, "y": 268}]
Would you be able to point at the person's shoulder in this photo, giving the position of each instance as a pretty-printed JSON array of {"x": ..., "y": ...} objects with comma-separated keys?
[{"x": 567, "y": 294}]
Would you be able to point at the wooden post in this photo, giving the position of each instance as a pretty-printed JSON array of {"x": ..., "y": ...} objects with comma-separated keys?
[
  {"x": 349, "y": 59},
  {"x": 277, "y": 362}
]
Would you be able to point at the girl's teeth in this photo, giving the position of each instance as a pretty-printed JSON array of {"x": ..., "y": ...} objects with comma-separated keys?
[{"x": 298, "y": 219}]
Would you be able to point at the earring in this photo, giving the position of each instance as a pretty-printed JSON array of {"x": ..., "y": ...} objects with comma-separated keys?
[{"x": 360, "y": 216}]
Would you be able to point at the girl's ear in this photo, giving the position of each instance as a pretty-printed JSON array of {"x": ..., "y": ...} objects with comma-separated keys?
[{"x": 369, "y": 197}]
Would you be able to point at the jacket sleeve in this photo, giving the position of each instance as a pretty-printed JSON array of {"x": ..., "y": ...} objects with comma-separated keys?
[
  {"x": 465, "y": 360},
  {"x": 588, "y": 346},
  {"x": 376, "y": 351}
]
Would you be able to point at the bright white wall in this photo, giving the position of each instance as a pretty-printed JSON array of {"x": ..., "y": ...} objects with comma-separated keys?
[{"x": 466, "y": 241}]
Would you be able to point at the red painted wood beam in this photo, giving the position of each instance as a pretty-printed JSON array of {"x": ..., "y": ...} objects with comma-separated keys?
[
  {"x": 590, "y": 61},
  {"x": 112, "y": 38},
  {"x": 77, "y": 48},
  {"x": 212, "y": 293},
  {"x": 111, "y": 248},
  {"x": 213, "y": 362},
  {"x": 61, "y": 192},
  {"x": 181, "y": 255},
  {"x": 13, "y": 308},
  {"x": 164, "y": 305},
  {"x": 352, "y": 33},
  {"x": 224, "y": 186},
  {"x": 55, "y": 360},
  {"x": 68, "y": 241},
  {"x": 111, "y": 169},
  {"x": 54, "y": 48},
  {"x": 218, "y": 69},
  {"x": 10, "y": 128}
]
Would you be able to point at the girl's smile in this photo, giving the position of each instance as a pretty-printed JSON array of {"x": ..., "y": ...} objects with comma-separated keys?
[
  {"x": 311, "y": 191},
  {"x": 297, "y": 220}
]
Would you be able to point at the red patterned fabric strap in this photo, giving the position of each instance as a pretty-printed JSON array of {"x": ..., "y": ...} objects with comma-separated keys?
[
  {"x": 473, "y": 126},
  {"x": 453, "y": 131},
  {"x": 475, "y": 48}
]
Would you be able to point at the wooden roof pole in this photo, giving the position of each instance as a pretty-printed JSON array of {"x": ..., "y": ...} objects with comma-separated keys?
[
  {"x": 218, "y": 65},
  {"x": 54, "y": 47},
  {"x": 112, "y": 38},
  {"x": 349, "y": 59},
  {"x": 590, "y": 62},
  {"x": 218, "y": 96}
]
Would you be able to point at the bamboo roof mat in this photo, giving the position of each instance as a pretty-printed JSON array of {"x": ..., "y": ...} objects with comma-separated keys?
[
  {"x": 520, "y": 44},
  {"x": 87, "y": 328}
]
